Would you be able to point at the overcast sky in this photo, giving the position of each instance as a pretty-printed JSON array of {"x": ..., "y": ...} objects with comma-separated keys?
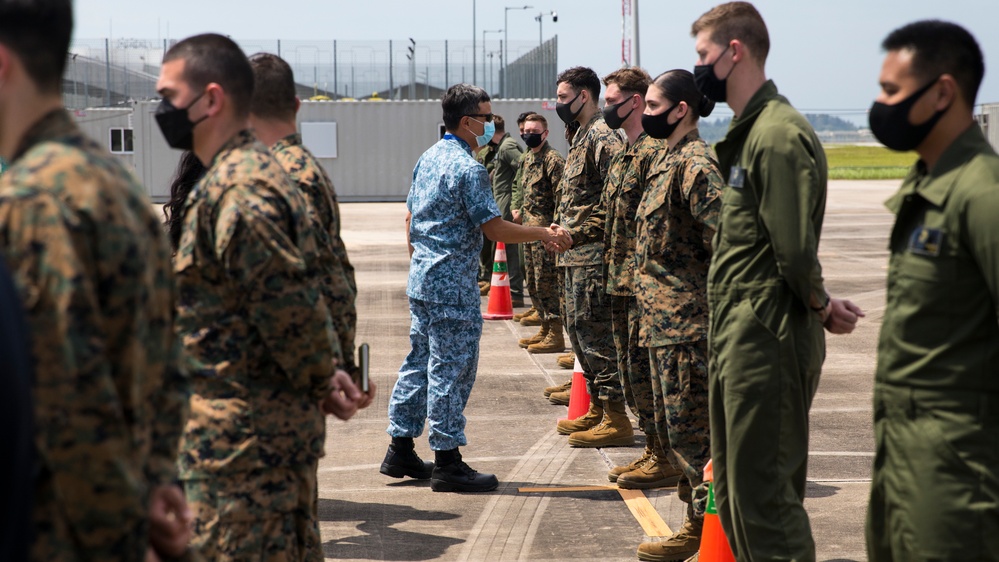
[{"x": 825, "y": 54}]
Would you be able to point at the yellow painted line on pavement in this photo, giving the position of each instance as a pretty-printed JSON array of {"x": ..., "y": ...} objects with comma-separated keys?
[{"x": 647, "y": 516}]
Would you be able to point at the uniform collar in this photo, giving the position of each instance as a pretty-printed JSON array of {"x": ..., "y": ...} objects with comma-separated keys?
[
  {"x": 54, "y": 124},
  {"x": 935, "y": 185},
  {"x": 581, "y": 132},
  {"x": 690, "y": 137},
  {"x": 294, "y": 139},
  {"x": 239, "y": 140},
  {"x": 767, "y": 92},
  {"x": 461, "y": 142}
]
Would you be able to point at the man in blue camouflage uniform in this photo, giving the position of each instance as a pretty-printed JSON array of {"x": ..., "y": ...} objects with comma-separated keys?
[
  {"x": 258, "y": 338},
  {"x": 91, "y": 262},
  {"x": 451, "y": 205}
]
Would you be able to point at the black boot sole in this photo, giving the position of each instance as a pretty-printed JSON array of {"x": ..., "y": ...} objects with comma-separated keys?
[{"x": 396, "y": 471}]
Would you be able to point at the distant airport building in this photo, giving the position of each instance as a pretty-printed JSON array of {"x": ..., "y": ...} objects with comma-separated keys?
[{"x": 988, "y": 120}]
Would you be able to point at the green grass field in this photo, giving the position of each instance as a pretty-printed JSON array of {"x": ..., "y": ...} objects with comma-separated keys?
[{"x": 850, "y": 162}]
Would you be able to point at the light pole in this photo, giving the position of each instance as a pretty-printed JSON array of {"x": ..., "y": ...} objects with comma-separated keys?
[
  {"x": 412, "y": 68},
  {"x": 484, "y": 31},
  {"x": 506, "y": 43},
  {"x": 540, "y": 72},
  {"x": 540, "y": 19}
]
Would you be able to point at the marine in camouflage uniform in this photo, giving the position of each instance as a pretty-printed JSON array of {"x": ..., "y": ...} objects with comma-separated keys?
[
  {"x": 339, "y": 289},
  {"x": 627, "y": 177},
  {"x": 587, "y": 307},
  {"x": 260, "y": 347},
  {"x": 92, "y": 263},
  {"x": 676, "y": 222},
  {"x": 542, "y": 174}
]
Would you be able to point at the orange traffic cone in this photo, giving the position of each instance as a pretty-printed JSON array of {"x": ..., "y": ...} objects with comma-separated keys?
[
  {"x": 714, "y": 544},
  {"x": 579, "y": 395},
  {"x": 500, "y": 305}
]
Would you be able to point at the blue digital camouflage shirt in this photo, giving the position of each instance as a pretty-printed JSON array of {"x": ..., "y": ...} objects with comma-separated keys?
[{"x": 450, "y": 199}]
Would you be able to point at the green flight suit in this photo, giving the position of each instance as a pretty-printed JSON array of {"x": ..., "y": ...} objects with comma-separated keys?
[
  {"x": 505, "y": 165},
  {"x": 766, "y": 345},
  {"x": 935, "y": 487}
]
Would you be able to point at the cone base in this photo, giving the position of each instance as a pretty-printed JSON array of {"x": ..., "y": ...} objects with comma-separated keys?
[
  {"x": 579, "y": 395},
  {"x": 714, "y": 544},
  {"x": 487, "y": 316}
]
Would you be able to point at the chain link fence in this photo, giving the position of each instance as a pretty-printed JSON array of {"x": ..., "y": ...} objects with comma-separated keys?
[{"x": 115, "y": 72}]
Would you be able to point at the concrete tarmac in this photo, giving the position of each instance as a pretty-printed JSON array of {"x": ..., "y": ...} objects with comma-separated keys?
[{"x": 511, "y": 427}]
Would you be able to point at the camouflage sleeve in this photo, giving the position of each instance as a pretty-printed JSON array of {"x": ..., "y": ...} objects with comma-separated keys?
[
  {"x": 346, "y": 325},
  {"x": 172, "y": 399},
  {"x": 83, "y": 439},
  {"x": 702, "y": 188},
  {"x": 269, "y": 269}
]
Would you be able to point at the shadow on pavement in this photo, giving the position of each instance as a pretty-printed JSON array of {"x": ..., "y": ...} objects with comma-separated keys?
[
  {"x": 816, "y": 490},
  {"x": 379, "y": 540}
]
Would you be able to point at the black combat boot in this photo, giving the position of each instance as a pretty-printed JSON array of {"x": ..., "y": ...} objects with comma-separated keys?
[
  {"x": 401, "y": 460},
  {"x": 451, "y": 474}
]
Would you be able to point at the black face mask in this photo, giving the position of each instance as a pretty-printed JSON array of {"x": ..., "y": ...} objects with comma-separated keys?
[
  {"x": 565, "y": 112},
  {"x": 658, "y": 126},
  {"x": 532, "y": 140},
  {"x": 890, "y": 123},
  {"x": 176, "y": 126},
  {"x": 709, "y": 84},
  {"x": 611, "y": 117}
]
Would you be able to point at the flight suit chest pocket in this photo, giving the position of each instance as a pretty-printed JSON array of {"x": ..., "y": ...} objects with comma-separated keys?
[
  {"x": 929, "y": 256},
  {"x": 739, "y": 213}
]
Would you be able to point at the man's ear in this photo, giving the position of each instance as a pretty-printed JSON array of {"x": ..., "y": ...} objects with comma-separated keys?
[
  {"x": 948, "y": 92},
  {"x": 216, "y": 99},
  {"x": 298, "y": 104}
]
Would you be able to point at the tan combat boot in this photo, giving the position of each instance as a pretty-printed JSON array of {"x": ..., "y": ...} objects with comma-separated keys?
[
  {"x": 655, "y": 473},
  {"x": 567, "y": 361},
  {"x": 560, "y": 398},
  {"x": 536, "y": 338},
  {"x": 564, "y": 387},
  {"x": 590, "y": 419},
  {"x": 613, "y": 431},
  {"x": 682, "y": 544},
  {"x": 484, "y": 289},
  {"x": 531, "y": 319},
  {"x": 617, "y": 471},
  {"x": 553, "y": 342},
  {"x": 528, "y": 312}
]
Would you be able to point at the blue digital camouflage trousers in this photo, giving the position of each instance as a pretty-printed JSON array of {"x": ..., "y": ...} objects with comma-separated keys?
[{"x": 436, "y": 378}]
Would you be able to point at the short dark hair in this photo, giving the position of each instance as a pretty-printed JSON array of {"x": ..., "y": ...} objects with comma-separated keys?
[
  {"x": 736, "y": 20},
  {"x": 273, "y": 87},
  {"x": 678, "y": 86},
  {"x": 38, "y": 32},
  {"x": 941, "y": 47},
  {"x": 523, "y": 117},
  {"x": 211, "y": 57},
  {"x": 538, "y": 118},
  {"x": 632, "y": 79},
  {"x": 461, "y": 100},
  {"x": 500, "y": 123},
  {"x": 580, "y": 77}
]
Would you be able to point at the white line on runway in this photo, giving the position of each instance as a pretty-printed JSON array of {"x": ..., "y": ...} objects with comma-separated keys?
[{"x": 840, "y": 454}]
